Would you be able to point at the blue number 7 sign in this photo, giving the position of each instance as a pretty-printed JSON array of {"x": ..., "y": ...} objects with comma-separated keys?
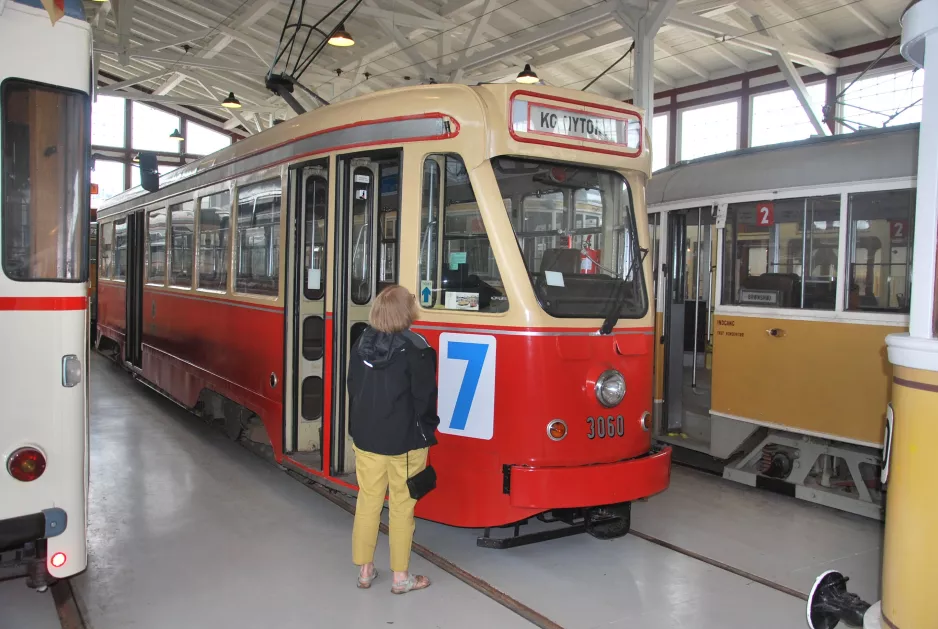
[{"x": 467, "y": 385}]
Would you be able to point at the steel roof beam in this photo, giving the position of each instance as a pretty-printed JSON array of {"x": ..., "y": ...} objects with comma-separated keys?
[
  {"x": 577, "y": 23},
  {"x": 733, "y": 34},
  {"x": 794, "y": 80},
  {"x": 863, "y": 14}
]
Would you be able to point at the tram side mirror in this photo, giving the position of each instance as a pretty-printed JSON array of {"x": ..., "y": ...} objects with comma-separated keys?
[{"x": 149, "y": 175}]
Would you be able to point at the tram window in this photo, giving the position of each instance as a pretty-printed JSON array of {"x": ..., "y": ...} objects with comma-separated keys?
[
  {"x": 578, "y": 238},
  {"x": 106, "y": 255},
  {"x": 258, "y": 244},
  {"x": 120, "y": 249},
  {"x": 782, "y": 254},
  {"x": 214, "y": 224},
  {"x": 469, "y": 278},
  {"x": 430, "y": 231},
  {"x": 361, "y": 243},
  {"x": 388, "y": 215},
  {"x": 182, "y": 240},
  {"x": 44, "y": 172},
  {"x": 880, "y": 248},
  {"x": 156, "y": 247},
  {"x": 317, "y": 204}
]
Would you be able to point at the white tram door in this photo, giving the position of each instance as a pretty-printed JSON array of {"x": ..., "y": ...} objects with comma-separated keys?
[
  {"x": 306, "y": 294},
  {"x": 366, "y": 255},
  {"x": 688, "y": 326}
]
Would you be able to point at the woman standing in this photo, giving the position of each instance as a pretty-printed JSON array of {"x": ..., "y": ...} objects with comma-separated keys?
[{"x": 392, "y": 422}]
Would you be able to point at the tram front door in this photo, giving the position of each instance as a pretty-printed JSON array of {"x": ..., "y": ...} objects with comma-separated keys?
[
  {"x": 366, "y": 256},
  {"x": 691, "y": 265},
  {"x": 306, "y": 294}
]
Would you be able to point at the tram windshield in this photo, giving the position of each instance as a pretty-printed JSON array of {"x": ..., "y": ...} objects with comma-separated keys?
[{"x": 576, "y": 229}]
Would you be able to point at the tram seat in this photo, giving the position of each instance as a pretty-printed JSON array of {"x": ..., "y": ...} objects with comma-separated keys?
[
  {"x": 788, "y": 286},
  {"x": 561, "y": 260}
]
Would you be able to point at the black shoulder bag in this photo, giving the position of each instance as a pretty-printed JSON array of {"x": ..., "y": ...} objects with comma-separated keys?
[{"x": 424, "y": 481}]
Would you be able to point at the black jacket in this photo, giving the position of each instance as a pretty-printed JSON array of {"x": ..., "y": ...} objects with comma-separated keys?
[{"x": 392, "y": 386}]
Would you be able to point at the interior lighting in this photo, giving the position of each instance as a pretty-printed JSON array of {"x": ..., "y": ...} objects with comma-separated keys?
[
  {"x": 231, "y": 102},
  {"x": 527, "y": 76},
  {"x": 341, "y": 37},
  {"x": 175, "y": 135}
]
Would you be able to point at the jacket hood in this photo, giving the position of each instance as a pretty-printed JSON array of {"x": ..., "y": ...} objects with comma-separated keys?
[{"x": 378, "y": 349}]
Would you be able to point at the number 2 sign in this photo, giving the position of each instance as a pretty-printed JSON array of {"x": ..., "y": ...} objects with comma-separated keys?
[
  {"x": 466, "y": 402},
  {"x": 765, "y": 214}
]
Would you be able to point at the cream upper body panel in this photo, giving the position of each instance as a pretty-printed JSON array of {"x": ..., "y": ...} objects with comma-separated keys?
[{"x": 473, "y": 122}]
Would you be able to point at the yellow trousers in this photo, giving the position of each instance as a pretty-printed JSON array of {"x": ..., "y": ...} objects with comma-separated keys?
[{"x": 378, "y": 475}]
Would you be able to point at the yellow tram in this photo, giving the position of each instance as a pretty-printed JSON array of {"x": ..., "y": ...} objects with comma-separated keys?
[{"x": 779, "y": 273}]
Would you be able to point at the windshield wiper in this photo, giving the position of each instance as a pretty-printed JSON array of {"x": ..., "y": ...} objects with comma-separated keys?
[{"x": 613, "y": 318}]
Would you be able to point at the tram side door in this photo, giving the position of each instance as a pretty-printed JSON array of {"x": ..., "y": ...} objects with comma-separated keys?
[
  {"x": 688, "y": 325},
  {"x": 366, "y": 259},
  {"x": 306, "y": 329},
  {"x": 134, "y": 293}
]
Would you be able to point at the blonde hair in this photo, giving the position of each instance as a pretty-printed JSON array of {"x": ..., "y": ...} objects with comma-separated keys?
[{"x": 394, "y": 310}]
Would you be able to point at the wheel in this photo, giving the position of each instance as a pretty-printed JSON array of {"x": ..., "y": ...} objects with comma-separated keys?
[{"x": 609, "y": 522}]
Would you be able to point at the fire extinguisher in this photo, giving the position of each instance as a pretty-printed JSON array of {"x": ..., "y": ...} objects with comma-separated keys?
[{"x": 589, "y": 258}]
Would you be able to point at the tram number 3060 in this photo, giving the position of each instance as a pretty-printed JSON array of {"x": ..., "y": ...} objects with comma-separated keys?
[{"x": 605, "y": 427}]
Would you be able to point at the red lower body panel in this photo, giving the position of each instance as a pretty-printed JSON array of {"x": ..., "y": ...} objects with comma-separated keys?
[{"x": 545, "y": 488}]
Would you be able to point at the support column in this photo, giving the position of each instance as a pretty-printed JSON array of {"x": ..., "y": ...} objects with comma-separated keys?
[
  {"x": 644, "y": 88},
  {"x": 910, "y": 551}
]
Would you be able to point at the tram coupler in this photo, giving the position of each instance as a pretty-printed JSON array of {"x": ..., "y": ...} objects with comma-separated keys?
[{"x": 830, "y": 603}]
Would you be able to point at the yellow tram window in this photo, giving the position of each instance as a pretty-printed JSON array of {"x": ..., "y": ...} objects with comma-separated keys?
[
  {"x": 782, "y": 254},
  {"x": 880, "y": 249}
]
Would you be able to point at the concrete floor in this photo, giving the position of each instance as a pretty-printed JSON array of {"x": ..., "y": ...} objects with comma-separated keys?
[
  {"x": 189, "y": 529},
  {"x": 23, "y": 608}
]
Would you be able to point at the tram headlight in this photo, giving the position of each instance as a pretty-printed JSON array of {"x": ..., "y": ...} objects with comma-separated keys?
[
  {"x": 610, "y": 388},
  {"x": 26, "y": 464}
]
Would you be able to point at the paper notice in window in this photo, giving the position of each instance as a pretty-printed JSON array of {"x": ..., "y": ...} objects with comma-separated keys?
[
  {"x": 462, "y": 301},
  {"x": 553, "y": 278},
  {"x": 313, "y": 279}
]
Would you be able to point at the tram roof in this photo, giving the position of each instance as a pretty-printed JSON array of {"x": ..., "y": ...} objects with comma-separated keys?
[
  {"x": 485, "y": 106},
  {"x": 868, "y": 155}
]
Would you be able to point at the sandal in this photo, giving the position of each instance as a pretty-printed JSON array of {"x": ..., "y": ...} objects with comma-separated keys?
[
  {"x": 412, "y": 583},
  {"x": 365, "y": 582}
]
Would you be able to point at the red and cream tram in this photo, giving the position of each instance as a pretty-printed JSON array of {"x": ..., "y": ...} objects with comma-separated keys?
[
  {"x": 517, "y": 217},
  {"x": 45, "y": 81}
]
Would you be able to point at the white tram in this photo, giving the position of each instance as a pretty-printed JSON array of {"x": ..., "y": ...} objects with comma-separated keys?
[{"x": 45, "y": 82}]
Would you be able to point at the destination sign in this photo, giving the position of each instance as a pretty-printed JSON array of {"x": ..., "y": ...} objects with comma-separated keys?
[{"x": 582, "y": 125}]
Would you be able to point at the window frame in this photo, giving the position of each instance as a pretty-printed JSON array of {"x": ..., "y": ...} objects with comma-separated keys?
[
  {"x": 198, "y": 195},
  {"x": 236, "y": 185},
  {"x": 679, "y": 130},
  {"x": 752, "y": 117},
  {"x": 181, "y": 202},
  {"x": 146, "y": 250},
  {"x": 84, "y": 219},
  {"x": 844, "y": 81},
  {"x": 437, "y": 305},
  {"x": 839, "y": 313}
]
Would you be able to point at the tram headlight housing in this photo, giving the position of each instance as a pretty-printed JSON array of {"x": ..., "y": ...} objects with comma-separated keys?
[{"x": 610, "y": 388}]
